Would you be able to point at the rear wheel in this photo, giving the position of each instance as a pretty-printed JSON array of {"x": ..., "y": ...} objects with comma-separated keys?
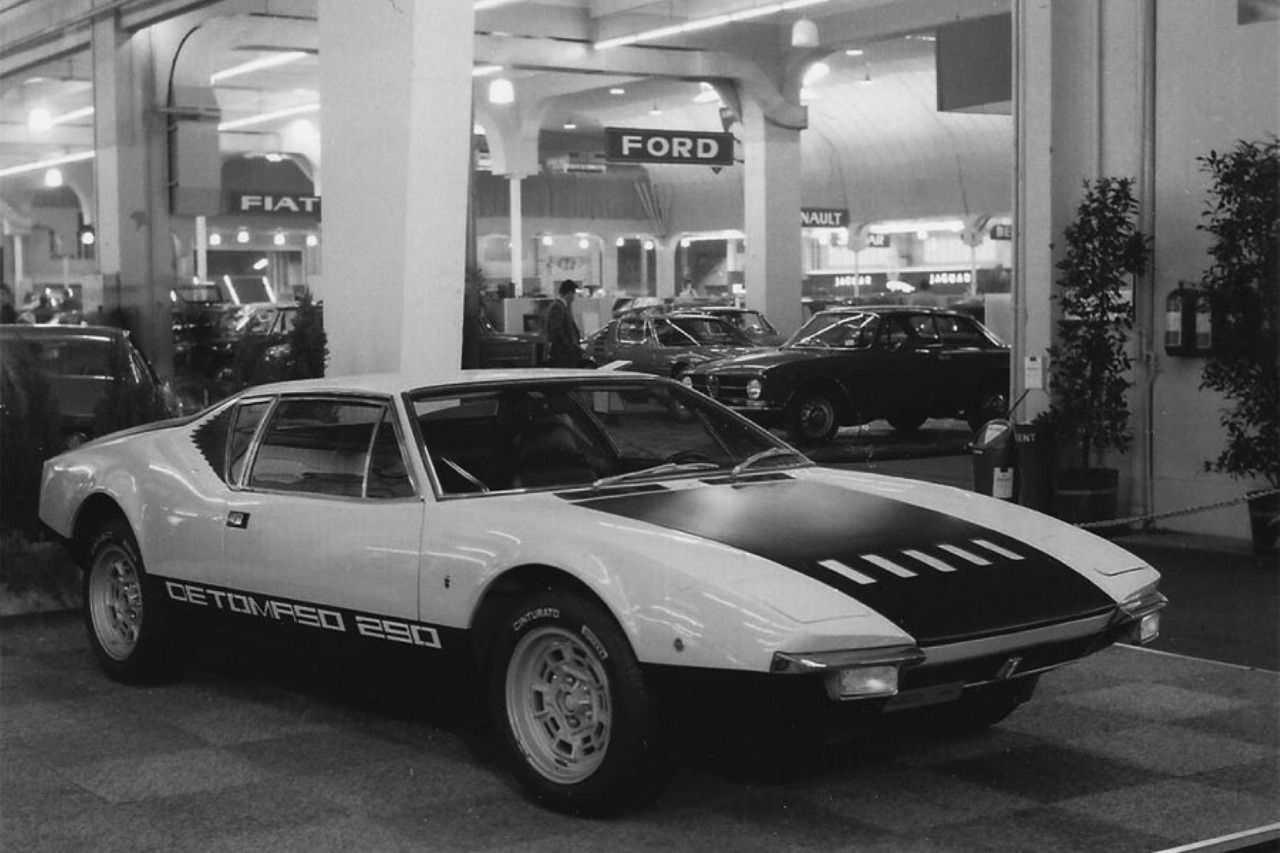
[
  {"x": 813, "y": 418},
  {"x": 124, "y": 613},
  {"x": 575, "y": 715}
]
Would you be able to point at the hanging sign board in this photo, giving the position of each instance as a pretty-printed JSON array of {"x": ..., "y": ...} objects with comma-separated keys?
[
  {"x": 636, "y": 145},
  {"x": 823, "y": 217},
  {"x": 1001, "y": 231},
  {"x": 290, "y": 203}
]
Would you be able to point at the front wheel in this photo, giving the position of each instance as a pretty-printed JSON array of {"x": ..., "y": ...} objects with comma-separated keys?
[
  {"x": 813, "y": 418},
  {"x": 124, "y": 614},
  {"x": 576, "y": 718}
]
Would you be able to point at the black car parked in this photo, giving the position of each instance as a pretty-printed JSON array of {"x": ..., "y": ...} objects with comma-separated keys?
[
  {"x": 849, "y": 366},
  {"x": 666, "y": 344}
]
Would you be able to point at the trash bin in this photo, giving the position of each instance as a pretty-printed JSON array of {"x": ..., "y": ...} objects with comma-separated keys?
[
  {"x": 1035, "y": 463},
  {"x": 994, "y": 459}
]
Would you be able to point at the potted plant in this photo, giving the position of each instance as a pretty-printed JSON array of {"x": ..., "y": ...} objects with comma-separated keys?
[
  {"x": 1089, "y": 376},
  {"x": 1242, "y": 285}
]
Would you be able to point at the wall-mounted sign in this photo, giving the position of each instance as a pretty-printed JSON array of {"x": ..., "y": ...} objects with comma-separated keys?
[
  {"x": 1002, "y": 231},
  {"x": 636, "y": 145},
  {"x": 852, "y": 280},
  {"x": 307, "y": 205},
  {"x": 936, "y": 278},
  {"x": 823, "y": 217},
  {"x": 876, "y": 240}
]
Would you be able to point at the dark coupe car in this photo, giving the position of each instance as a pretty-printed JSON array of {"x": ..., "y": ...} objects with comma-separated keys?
[
  {"x": 666, "y": 344},
  {"x": 850, "y": 366},
  {"x": 97, "y": 377}
]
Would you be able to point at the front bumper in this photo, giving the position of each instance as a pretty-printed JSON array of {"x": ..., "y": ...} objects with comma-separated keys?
[{"x": 912, "y": 676}]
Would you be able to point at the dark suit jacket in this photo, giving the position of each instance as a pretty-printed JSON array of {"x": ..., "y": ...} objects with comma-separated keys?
[{"x": 564, "y": 341}]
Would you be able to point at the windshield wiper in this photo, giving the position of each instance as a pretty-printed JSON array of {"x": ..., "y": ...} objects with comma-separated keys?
[
  {"x": 770, "y": 453},
  {"x": 654, "y": 471}
]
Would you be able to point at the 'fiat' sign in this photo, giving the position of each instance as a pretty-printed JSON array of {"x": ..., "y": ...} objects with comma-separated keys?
[{"x": 634, "y": 145}]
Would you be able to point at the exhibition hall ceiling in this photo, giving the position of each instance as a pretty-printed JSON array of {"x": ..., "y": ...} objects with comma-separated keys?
[{"x": 870, "y": 80}]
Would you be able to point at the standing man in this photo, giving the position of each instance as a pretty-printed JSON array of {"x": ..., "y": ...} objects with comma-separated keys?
[{"x": 564, "y": 341}]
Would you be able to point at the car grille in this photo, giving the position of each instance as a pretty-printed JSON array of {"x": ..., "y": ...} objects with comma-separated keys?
[{"x": 730, "y": 390}]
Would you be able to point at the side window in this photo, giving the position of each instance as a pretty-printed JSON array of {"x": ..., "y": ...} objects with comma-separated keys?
[
  {"x": 388, "y": 477},
  {"x": 893, "y": 334},
  {"x": 671, "y": 335},
  {"x": 247, "y": 418},
  {"x": 960, "y": 332},
  {"x": 924, "y": 328},
  {"x": 316, "y": 446},
  {"x": 631, "y": 331}
]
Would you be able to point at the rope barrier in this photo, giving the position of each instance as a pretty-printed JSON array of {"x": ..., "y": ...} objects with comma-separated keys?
[{"x": 1156, "y": 516}]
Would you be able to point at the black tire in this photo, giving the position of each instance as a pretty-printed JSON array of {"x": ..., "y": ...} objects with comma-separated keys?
[
  {"x": 907, "y": 421},
  {"x": 574, "y": 715},
  {"x": 813, "y": 418},
  {"x": 125, "y": 613}
]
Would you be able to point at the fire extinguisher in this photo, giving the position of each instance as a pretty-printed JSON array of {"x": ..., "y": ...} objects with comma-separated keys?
[{"x": 1180, "y": 322}]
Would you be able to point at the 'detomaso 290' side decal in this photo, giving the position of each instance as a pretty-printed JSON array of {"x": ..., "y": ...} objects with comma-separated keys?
[{"x": 303, "y": 615}]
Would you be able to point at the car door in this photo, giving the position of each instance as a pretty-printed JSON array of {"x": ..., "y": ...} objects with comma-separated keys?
[
  {"x": 629, "y": 344},
  {"x": 325, "y": 511},
  {"x": 971, "y": 368}
]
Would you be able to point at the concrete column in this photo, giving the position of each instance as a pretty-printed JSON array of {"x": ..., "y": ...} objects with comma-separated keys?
[
  {"x": 1033, "y": 271},
  {"x": 609, "y": 263},
  {"x": 771, "y": 217},
  {"x": 134, "y": 249},
  {"x": 665, "y": 274},
  {"x": 514, "y": 184},
  {"x": 396, "y": 136}
]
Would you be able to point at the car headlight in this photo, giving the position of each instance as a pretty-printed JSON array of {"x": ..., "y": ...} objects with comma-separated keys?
[
  {"x": 754, "y": 388},
  {"x": 686, "y": 381},
  {"x": 854, "y": 674},
  {"x": 1139, "y": 616}
]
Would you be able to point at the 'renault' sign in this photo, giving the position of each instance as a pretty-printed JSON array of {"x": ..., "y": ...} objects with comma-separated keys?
[
  {"x": 636, "y": 145},
  {"x": 823, "y": 217},
  {"x": 290, "y": 203}
]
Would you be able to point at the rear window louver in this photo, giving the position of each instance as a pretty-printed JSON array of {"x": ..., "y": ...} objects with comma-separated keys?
[{"x": 211, "y": 440}]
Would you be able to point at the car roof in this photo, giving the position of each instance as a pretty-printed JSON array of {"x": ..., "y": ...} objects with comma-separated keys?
[
  {"x": 56, "y": 331},
  {"x": 396, "y": 383},
  {"x": 886, "y": 309}
]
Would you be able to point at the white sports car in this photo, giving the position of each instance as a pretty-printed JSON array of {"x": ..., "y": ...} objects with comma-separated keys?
[{"x": 588, "y": 542}]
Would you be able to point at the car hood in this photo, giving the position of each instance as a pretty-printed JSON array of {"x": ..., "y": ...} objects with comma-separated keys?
[
  {"x": 762, "y": 360},
  {"x": 938, "y": 566}
]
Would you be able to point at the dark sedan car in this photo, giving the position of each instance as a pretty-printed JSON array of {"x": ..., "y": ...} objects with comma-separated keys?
[
  {"x": 850, "y": 366},
  {"x": 97, "y": 377},
  {"x": 748, "y": 321},
  {"x": 666, "y": 345}
]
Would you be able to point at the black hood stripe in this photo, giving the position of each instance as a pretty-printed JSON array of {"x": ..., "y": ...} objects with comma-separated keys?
[{"x": 937, "y": 577}]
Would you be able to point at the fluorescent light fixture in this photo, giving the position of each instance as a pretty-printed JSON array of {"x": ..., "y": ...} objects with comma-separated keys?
[
  {"x": 262, "y": 118},
  {"x": 482, "y": 5},
  {"x": 704, "y": 23},
  {"x": 501, "y": 91},
  {"x": 907, "y": 226},
  {"x": 273, "y": 61},
  {"x": 485, "y": 70},
  {"x": 261, "y": 264},
  {"x": 617, "y": 90},
  {"x": 53, "y": 177},
  {"x": 45, "y": 164},
  {"x": 854, "y": 51}
]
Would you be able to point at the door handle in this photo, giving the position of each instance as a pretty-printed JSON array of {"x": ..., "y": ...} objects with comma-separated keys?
[{"x": 237, "y": 519}]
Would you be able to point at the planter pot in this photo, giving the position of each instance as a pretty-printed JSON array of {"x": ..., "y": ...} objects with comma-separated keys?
[
  {"x": 1085, "y": 495},
  {"x": 1264, "y": 523}
]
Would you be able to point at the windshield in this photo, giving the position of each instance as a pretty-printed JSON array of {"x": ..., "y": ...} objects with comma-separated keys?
[
  {"x": 704, "y": 330},
  {"x": 836, "y": 329},
  {"x": 593, "y": 433}
]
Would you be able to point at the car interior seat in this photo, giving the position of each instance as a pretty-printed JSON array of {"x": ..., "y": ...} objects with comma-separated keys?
[{"x": 548, "y": 455}]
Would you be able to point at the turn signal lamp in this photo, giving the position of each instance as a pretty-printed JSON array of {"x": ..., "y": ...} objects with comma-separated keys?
[
  {"x": 754, "y": 389},
  {"x": 862, "y": 682}
]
